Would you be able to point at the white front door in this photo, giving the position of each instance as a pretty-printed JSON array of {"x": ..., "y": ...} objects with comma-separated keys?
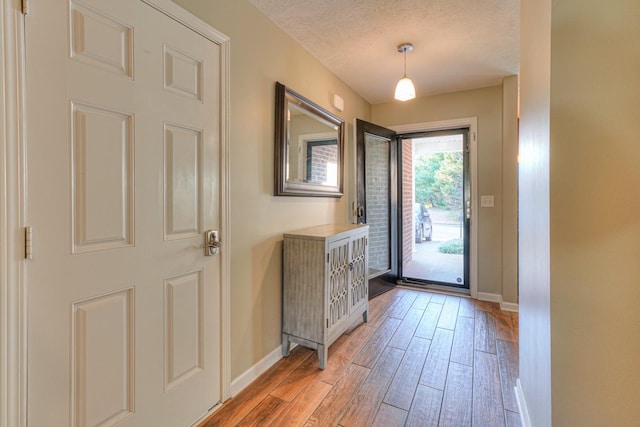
[{"x": 123, "y": 134}]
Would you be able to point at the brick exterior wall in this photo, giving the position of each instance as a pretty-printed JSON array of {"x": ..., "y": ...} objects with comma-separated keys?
[
  {"x": 377, "y": 202},
  {"x": 407, "y": 201},
  {"x": 321, "y": 156}
]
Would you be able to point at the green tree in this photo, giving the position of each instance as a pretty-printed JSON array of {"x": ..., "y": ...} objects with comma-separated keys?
[
  {"x": 438, "y": 180},
  {"x": 449, "y": 178},
  {"x": 426, "y": 189}
]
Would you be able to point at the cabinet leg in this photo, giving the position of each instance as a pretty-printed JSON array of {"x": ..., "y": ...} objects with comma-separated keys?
[
  {"x": 322, "y": 355},
  {"x": 285, "y": 345},
  {"x": 365, "y": 316}
]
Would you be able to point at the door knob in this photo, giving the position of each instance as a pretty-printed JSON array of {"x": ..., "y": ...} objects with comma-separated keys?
[{"x": 211, "y": 242}]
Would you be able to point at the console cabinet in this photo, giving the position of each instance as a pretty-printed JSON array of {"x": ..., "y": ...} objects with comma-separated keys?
[{"x": 325, "y": 285}]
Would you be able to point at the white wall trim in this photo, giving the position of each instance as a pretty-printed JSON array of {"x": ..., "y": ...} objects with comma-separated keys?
[
  {"x": 506, "y": 306},
  {"x": 251, "y": 374},
  {"x": 187, "y": 19},
  {"x": 522, "y": 404},
  {"x": 509, "y": 306},
  {"x": 484, "y": 296},
  {"x": 225, "y": 197},
  {"x": 472, "y": 124},
  {"x": 12, "y": 298}
]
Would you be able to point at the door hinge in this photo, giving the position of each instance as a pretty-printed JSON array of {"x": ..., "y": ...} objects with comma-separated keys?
[
  {"x": 28, "y": 243},
  {"x": 327, "y": 258},
  {"x": 327, "y": 323},
  {"x": 25, "y": 7}
]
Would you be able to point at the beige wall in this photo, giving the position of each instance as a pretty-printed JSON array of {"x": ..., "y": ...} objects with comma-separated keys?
[
  {"x": 587, "y": 56},
  {"x": 487, "y": 105},
  {"x": 595, "y": 199},
  {"x": 262, "y": 54}
]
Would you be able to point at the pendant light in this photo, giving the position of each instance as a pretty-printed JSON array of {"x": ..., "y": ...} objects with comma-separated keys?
[{"x": 405, "y": 89}]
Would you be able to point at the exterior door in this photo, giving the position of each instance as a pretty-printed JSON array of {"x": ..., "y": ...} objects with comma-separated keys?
[
  {"x": 377, "y": 184},
  {"x": 123, "y": 133},
  {"x": 436, "y": 196}
]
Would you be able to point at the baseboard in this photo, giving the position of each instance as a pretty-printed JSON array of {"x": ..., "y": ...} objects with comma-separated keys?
[
  {"x": 251, "y": 374},
  {"x": 509, "y": 306},
  {"x": 522, "y": 404},
  {"x": 484, "y": 296},
  {"x": 506, "y": 306}
]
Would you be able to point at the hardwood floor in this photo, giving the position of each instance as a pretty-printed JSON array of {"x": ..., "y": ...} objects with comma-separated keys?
[{"x": 424, "y": 359}]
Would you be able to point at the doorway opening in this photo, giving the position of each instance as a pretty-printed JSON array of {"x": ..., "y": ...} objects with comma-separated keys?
[
  {"x": 397, "y": 217},
  {"x": 435, "y": 214}
]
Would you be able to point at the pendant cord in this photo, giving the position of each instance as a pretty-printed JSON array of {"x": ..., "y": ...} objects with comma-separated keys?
[{"x": 405, "y": 62}]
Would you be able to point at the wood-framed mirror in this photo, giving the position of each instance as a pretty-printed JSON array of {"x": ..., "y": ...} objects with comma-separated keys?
[{"x": 309, "y": 144}]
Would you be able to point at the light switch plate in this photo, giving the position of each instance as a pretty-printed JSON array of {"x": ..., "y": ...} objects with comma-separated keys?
[{"x": 486, "y": 201}]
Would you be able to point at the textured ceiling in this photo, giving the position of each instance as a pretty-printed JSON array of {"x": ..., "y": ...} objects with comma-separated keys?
[{"x": 458, "y": 44}]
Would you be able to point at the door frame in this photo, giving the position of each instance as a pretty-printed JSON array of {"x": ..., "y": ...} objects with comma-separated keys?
[
  {"x": 13, "y": 301},
  {"x": 465, "y": 133},
  {"x": 472, "y": 124}
]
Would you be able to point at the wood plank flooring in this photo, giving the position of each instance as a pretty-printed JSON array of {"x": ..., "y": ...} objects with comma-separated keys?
[{"x": 424, "y": 359}]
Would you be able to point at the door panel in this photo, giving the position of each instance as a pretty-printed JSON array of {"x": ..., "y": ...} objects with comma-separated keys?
[
  {"x": 102, "y": 174},
  {"x": 184, "y": 321},
  {"x": 378, "y": 201},
  {"x": 376, "y": 152},
  {"x": 103, "y": 367},
  {"x": 182, "y": 182},
  {"x": 123, "y": 133}
]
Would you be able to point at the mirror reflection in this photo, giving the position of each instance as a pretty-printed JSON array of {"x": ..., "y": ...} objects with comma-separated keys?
[
  {"x": 312, "y": 148},
  {"x": 309, "y": 147}
]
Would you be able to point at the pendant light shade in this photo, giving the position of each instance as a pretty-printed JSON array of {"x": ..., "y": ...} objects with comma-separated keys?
[{"x": 405, "y": 89}]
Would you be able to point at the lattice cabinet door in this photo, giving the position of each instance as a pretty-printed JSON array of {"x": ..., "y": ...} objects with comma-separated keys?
[
  {"x": 358, "y": 271},
  {"x": 338, "y": 266}
]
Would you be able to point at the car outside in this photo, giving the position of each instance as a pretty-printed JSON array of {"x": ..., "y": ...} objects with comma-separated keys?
[{"x": 422, "y": 220}]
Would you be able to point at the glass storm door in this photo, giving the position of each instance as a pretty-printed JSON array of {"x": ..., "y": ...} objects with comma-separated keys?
[{"x": 435, "y": 197}]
